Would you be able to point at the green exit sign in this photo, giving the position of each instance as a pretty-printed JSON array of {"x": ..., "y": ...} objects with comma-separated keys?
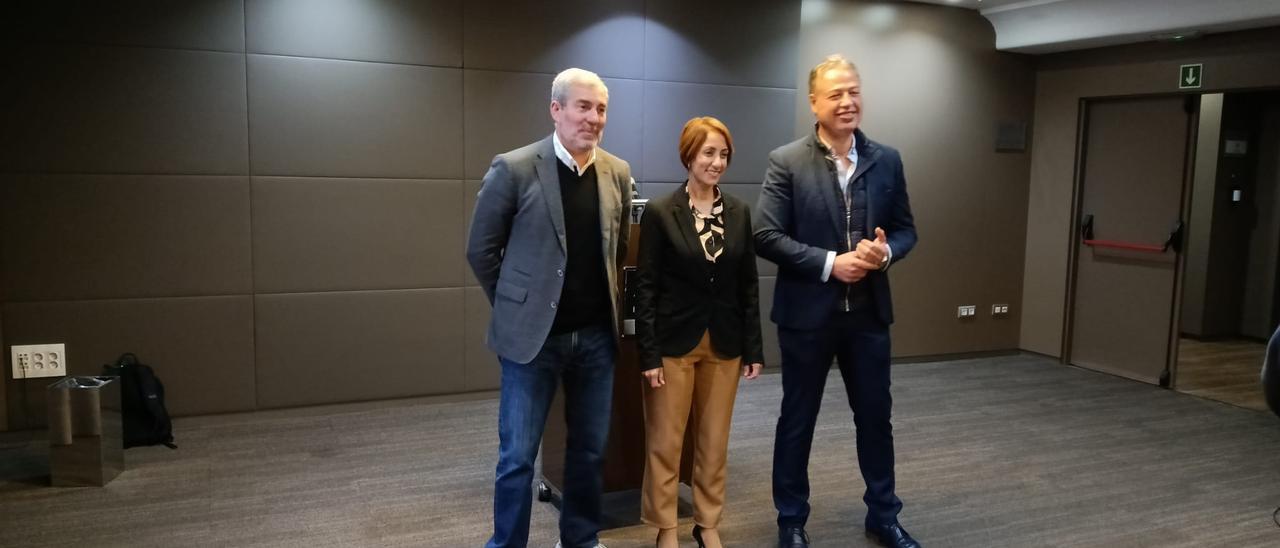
[{"x": 1191, "y": 76}]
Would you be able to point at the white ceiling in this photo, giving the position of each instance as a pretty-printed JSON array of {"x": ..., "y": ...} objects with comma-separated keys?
[{"x": 1045, "y": 26}]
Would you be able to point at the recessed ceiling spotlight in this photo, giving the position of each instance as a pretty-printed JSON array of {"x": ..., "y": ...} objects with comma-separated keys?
[{"x": 1177, "y": 36}]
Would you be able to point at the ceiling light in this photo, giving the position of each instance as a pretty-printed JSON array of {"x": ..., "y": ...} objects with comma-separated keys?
[{"x": 1176, "y": 36}]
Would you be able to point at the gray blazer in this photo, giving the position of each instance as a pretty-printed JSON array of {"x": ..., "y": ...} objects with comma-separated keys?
[{"x": 516, "y": 245}]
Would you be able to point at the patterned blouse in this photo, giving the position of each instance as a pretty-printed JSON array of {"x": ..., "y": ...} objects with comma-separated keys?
[{"x": 710, "y": 227}]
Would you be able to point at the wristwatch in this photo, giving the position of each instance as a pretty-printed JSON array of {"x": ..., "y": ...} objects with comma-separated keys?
[{"x": 884, "y": 263}]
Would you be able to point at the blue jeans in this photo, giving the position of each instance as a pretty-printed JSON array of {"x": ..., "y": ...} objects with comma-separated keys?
[{"x": 583, "y": 360}]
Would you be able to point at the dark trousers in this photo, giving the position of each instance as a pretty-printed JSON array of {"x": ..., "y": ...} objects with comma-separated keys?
[{"x": 859, "y": 342}]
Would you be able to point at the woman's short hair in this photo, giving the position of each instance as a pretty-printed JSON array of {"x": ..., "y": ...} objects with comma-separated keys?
[{"x": 694, "y": 135}]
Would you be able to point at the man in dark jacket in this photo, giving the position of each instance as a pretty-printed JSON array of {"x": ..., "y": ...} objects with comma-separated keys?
[{"x": 833, "y": 214}]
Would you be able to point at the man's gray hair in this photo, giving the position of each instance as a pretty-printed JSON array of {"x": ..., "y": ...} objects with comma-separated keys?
[
  {"x": 832, "y": 61},
  {"x": 574, "y": 77}
]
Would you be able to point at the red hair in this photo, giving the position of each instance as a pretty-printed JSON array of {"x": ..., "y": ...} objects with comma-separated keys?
[{"x": 694, "y": 135}]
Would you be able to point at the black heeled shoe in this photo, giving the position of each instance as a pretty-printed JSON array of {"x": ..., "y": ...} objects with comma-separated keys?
[{"x": 697, "y": 536}]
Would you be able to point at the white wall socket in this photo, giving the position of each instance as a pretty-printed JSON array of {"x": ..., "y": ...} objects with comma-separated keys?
[
  {"x": 967, "y": 311},
  {"x": 38, "y": 360}
]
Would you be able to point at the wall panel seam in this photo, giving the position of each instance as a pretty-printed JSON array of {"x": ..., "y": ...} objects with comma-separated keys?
[
  {"x": 248, "y": 140},
  {"x": 349, "y": 60},
  {"x": 380, "y": 290},
  {"x": 362, "y": 177},
  {"x": 641, "y": 80},
  {"x": 126, "y": 173},
  {"x": 8, "y": 302},
  {"x": 466, "y": 230},
  {"x": 77, "y": 43},
  {"x": 121, "y": 174}
]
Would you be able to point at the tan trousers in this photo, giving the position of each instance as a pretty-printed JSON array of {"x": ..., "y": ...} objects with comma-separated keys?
[{"x": 704, "y": 384}]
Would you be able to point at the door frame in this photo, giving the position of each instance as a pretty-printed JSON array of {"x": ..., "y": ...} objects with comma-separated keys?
[{"x": 1192, "y": 106}]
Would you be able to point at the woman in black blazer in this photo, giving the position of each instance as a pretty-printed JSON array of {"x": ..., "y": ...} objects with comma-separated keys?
[{"x": 697, "y": 327}]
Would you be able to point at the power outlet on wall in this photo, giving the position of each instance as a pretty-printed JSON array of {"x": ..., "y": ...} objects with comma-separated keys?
[
  {"x": 38, "y": 360},
  {"x": 967, "y": 311}
]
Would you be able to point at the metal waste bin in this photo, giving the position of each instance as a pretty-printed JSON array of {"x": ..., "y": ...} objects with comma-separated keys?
[{"x": 86, "y": 438}]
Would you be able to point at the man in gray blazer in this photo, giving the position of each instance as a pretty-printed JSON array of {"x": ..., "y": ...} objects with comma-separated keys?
[{"x": 550, "y": 228}]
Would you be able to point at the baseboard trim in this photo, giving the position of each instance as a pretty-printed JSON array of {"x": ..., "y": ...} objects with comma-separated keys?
[{"x": 956, "y": 356}]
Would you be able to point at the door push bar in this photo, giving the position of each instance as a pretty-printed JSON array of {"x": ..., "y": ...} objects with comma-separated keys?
[{"x": 1174, "y": 241}]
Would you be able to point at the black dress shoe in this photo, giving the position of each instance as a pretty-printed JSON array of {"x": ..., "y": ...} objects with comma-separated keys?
[
  {"x": 792, "y": 537},
  {"x": 892, "y": 535}
]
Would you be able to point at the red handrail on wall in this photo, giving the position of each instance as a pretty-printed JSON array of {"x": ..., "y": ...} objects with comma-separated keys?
[
  {"x": 1174, "y": 241},
  {"x": 1147, "y": 248}
]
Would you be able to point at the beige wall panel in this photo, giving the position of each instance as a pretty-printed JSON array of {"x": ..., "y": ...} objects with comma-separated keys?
[
  {"x": 413, "y": 32},
  {"x": 190, "y": 24},
  {"x": 200, "y": 347},
  {"x": 315, "y": 348},
  {"x": 482, "y": 369},
  {"x": 751, "y": 44},
  {"x": 470, "y": 190},
  {"x": 504, "y": 111},
  {"x": 88, "y": 109},
  {"x": 628, "y": 115},
  {"x": 325, "y": 234},
  {"x": 330, "y": 118},
  {"x": 117, "y": 236},
  {"x": 534, "y": 36}
]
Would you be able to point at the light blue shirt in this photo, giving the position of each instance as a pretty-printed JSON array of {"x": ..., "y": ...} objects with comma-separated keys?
[{"x": 845, "y": 174}]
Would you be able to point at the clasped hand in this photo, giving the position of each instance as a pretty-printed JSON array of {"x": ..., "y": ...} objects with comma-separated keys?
[{"x": 852, "y": 266}]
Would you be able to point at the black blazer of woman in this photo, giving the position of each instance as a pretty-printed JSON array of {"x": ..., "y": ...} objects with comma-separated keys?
[{"x": 680, "y": 294}]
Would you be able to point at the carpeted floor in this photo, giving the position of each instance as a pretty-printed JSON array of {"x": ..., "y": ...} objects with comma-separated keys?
[{"x": 1008, "y": 451}]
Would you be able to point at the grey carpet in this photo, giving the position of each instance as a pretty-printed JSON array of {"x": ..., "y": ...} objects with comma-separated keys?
[{"x": 1009, "y": 451}]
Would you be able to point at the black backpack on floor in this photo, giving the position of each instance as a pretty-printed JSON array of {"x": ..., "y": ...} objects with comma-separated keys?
[{"x": 146, "y": 421}]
